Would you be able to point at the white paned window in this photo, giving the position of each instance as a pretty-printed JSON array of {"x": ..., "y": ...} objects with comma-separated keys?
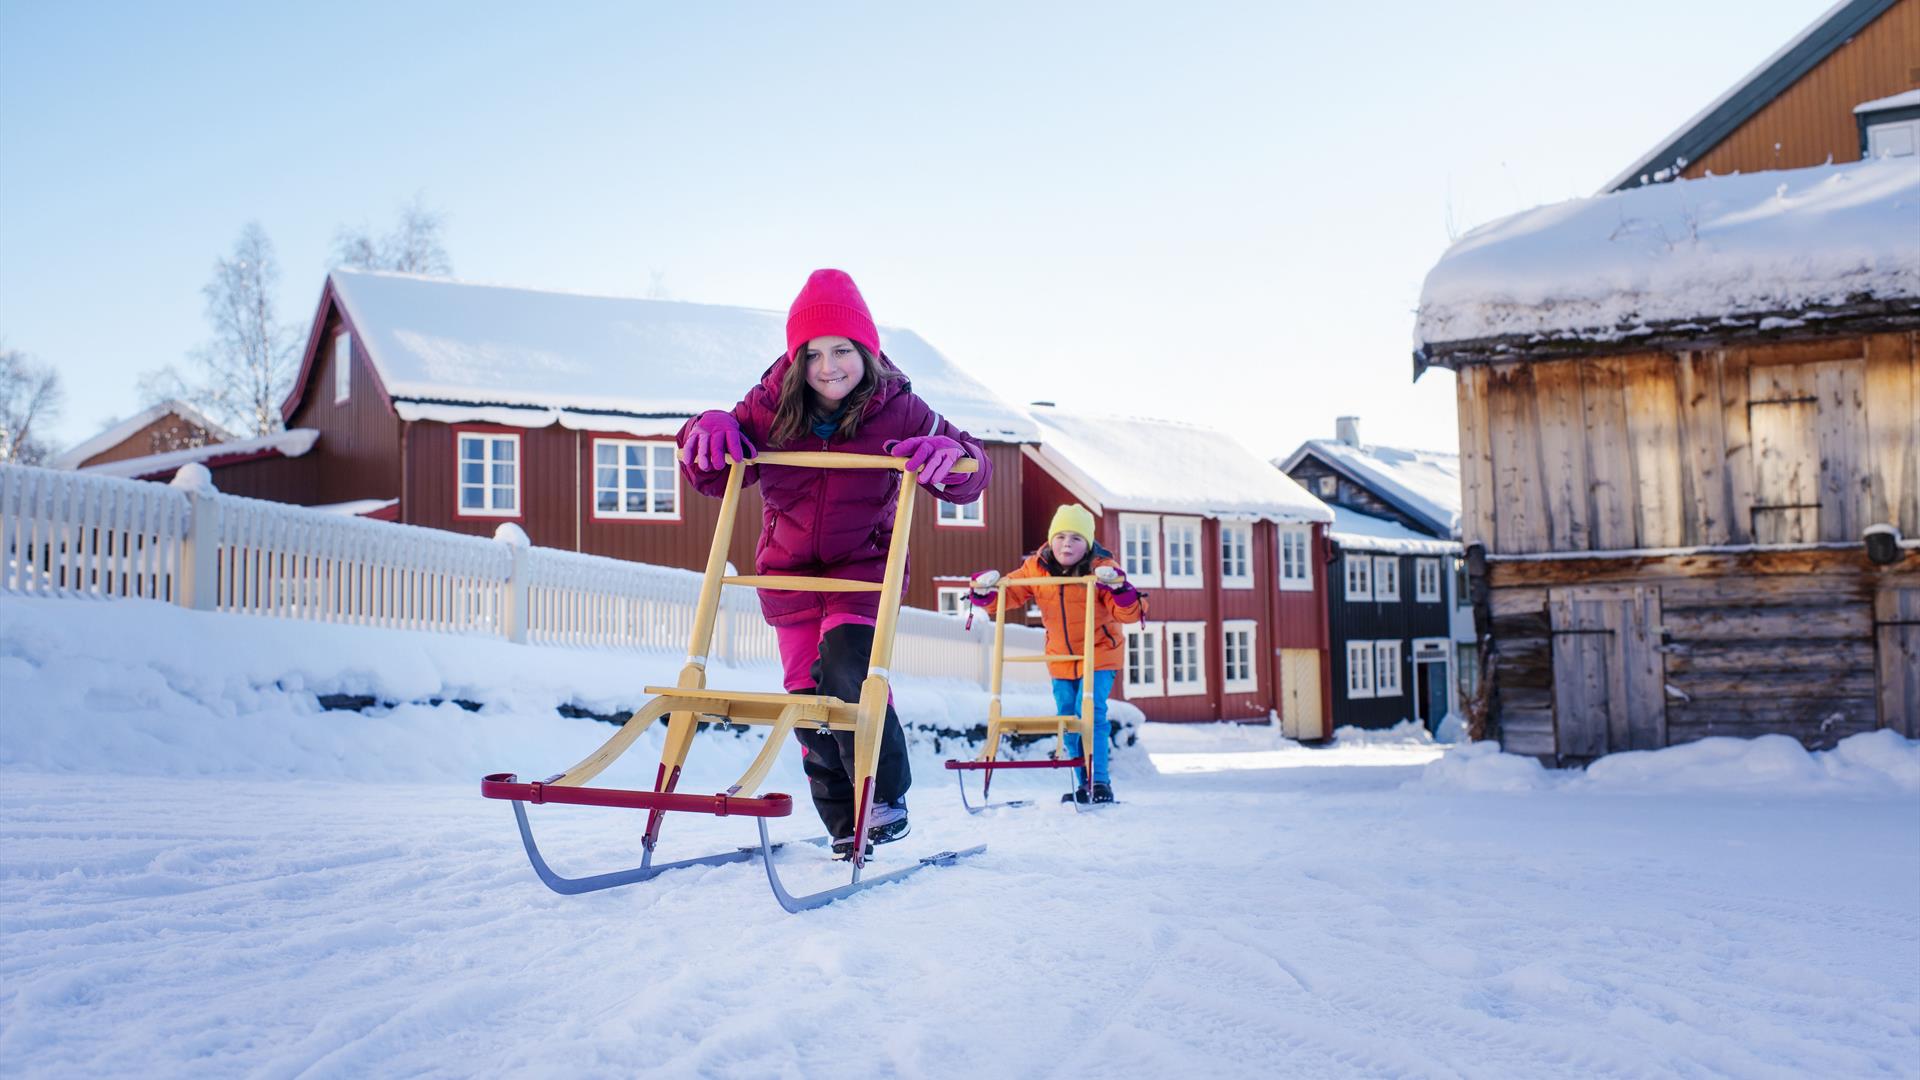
[
  {"x": 1386, "y": 669},
  {"x": 1359, "y": 669},
  {"x": 1186, "y": 658},
  {"x": 1241, "y": 672},
  {"x": 1236, "y": 555},
  {"x": 1140, "y": 548},
  {"x": 1143, "y": 660},
  {"x": 972, "y": 515},
  {"x": 953, "y": 601},
  {"x": 489, "y": 479},
  {"x": 1386, "y": 577},
  {"x": 1426, "y": 580},
  {"x": 635, "y": 480},
  {"x": 1295, "y": 573},
  {"x": 342, "y": 367},
  {"x": 1359, "y": 576},
  {"x": 1183, "y": 553}
]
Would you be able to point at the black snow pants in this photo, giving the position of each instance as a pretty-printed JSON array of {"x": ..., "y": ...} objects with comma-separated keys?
[{"x": 842, "y": 666}]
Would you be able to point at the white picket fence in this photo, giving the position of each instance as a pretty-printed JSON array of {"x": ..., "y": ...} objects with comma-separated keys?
[{"x": 79, "y": 535}]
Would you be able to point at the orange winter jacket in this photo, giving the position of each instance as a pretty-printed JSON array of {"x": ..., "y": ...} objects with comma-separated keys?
[{"x": 1063, "y": 610}]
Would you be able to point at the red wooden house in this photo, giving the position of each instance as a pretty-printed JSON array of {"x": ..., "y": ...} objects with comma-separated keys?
[
  {"x": 1231, "y": 551},
  {"x": 163, "y": 428}
]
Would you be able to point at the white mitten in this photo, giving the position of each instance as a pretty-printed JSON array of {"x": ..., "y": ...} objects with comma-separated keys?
[
  {"x": 1108, "y": 575},
  {"x": 985, "y": 580}
]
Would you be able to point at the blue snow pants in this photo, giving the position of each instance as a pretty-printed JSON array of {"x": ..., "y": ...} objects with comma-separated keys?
[{"x": 1066, "y": 702}]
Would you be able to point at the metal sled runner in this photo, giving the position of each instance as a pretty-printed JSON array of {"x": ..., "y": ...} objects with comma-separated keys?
[
  {"x": 684, "y": 704},
  {"x": 998, "y": 725}
]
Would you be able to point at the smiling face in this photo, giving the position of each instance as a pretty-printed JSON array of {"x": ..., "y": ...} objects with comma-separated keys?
[
  {"x": 833, "y": 368},
  {"x": 1068, "y": 548}
]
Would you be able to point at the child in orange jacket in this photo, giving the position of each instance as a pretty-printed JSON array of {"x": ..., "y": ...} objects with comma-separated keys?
[{"x": 1070, "y": 551}]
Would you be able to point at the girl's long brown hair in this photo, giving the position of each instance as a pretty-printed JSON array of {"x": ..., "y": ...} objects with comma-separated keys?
[{"x": 793, "y": 416}]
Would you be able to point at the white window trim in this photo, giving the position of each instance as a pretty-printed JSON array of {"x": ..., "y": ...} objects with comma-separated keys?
[
  {"x": 1380, "y": 687},
  {"x": 1357, "y": 561},
  {"x": 342, "y": 367},
  {"x": 971, "y": 515},
  {"x": 1386, "y": 585},
  {"x": 1197, "y": 633},
  {"x": 959, "y": 594},
  {"x": 460, "y": 507},
  {"x": 1304, "y": 581},
  {"x": 1150, "y": 523},
  {"x": 1195, "y": 580},
  {"x": 593, "y": 496},
  {"x": 1359, "y": 662},
  {"x": 1426, "y": 572},
  {"x": 1244, "y": 579},
  {"x": 1154, "y": 640},
  {"x": 1250, "y": 684}
]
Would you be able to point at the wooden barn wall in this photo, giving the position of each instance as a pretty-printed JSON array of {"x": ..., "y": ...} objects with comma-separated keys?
[
  {"x": 549, "y": 497},
  {"x": 1773, "y": 443},
  {"x": 359, "y": 438},
  {"x": 1752, "y": 642},
  {"x": 1812, "y": 120}
]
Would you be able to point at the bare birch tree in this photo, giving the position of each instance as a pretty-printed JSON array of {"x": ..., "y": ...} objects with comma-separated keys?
[
  {"x": 245, "y": 372},
  {"x": 414, "y": 246},
  {"x": 30, "y": 400}
]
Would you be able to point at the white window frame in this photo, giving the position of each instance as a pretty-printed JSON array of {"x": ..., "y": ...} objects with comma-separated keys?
[
  {"x": 1294, "y": 544},
  {"x": 1426, "y": 580},
  {"x": 1245, "y": 654},
  {"x": 1387, "y": 656},
  {"x": 1357, "y": 567},
  {"x": 953, "y": 599},
  {"x": 1143, "y": 641},
  {"x": 971, "y": 515},
  {"x": 1359, "y": 670},
  {"x": 342, "y": 367},
  {"x": 654, "y": 464},
  {"x": 1191, "y": 575},
  {"x": 1236, "y": 537},
  {"x": 1386, "y": 577},
  {"x": 1194, "y": 656},
  {"x": 1140, "y": 548},
  {"x": 487, "y": 465},
  {"x": 1327, "y": 486}
]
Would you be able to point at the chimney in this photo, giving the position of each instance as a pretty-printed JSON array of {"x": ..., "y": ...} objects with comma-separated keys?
[{"x": 1346, "y": 430}]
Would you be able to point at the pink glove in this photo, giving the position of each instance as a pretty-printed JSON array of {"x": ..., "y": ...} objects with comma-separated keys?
[
  {"x": 933, "y": 455},
  {"x": 715, "y": 438}
]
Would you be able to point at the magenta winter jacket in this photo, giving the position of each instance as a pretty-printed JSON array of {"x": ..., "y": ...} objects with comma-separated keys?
[{"x": 832, "y": 522}]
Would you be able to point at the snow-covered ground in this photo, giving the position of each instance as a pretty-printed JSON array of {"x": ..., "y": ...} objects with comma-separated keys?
[{"x": 204, "y": 874}]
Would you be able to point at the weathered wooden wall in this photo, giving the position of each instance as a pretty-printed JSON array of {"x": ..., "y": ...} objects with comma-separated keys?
[
  {"x": 1644, "y": 458},
  {"x": 1778, "y": 443}
]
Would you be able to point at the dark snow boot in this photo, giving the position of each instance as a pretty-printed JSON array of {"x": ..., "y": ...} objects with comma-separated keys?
[
  {"x": 843, "y": 848},
  {"x": 1102, "y": 792},
  {"x": 1078, "y": 795},
  {"x": 893, "y": 823}
]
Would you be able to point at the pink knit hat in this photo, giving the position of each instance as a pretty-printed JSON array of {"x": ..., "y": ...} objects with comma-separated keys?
[{"x": 830, "y": 305}]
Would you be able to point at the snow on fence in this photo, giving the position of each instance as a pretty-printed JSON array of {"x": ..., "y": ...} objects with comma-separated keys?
[{"x": 72, "y": 534}]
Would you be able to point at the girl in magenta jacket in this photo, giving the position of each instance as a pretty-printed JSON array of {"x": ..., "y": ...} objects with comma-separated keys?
[{"x": 833, "y": 390}]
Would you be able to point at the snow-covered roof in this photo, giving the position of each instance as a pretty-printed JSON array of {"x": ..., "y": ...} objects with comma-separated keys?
[
  {"x": 1356, "y": 531},
  {"x": 1131, "y": 463},
  {"x": 1765, "y": 250},
  {"x": 1423, "y": 483},
  {"x": 1907, "y": 100},
  {"x": 126, "y": 429},
  {"x": 452, "y": 350},
  {"x": 292, "y": 443},
  {"x": 1722, "y": 116},
  {"x": 357, "y": 507}
]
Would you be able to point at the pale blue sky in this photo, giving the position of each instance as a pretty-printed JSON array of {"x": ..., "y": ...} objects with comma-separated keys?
[{"x": 1211, "y": 212}]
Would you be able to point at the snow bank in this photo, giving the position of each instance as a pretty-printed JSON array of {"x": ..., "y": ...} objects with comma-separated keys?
[
  {"x": 1725, "y": 247},
  {"x": 1873, "y": 763},
  {"x": 144, "y": 688}
]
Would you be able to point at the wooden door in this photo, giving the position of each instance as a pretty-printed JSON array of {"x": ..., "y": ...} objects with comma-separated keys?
[
  {"x": 1896, "y": 618},
  {"x": 1300, "y": 713},
  {"x": 1808, "y": 423},
  {"x": 1609, "y": 675}
]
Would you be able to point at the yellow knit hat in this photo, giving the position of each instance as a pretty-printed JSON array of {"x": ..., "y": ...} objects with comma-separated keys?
[{"x": 1072, "y": 518}]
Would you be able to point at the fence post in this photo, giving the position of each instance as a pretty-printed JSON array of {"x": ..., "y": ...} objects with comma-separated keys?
[
  {"x": 517, "y": 591},
  {"x": 197, "y": 584}
]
